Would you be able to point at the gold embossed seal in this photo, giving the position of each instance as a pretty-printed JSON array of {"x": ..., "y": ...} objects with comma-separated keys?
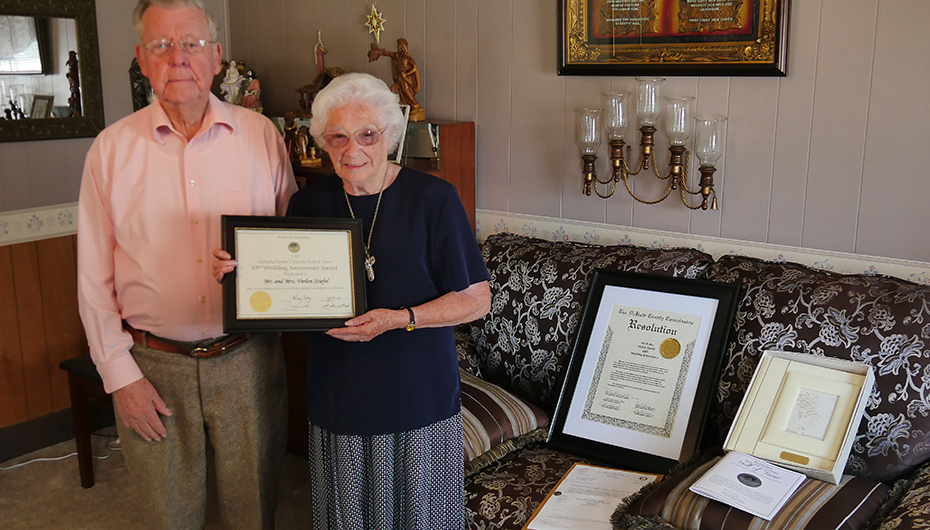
[
  {"x": 670, "y": 348},
  {"x": 260, "y": 301}
]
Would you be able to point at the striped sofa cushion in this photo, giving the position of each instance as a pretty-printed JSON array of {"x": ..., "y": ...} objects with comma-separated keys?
[
  {"x": 496, "y": 422},
  {"x": 816, "y": 505}
]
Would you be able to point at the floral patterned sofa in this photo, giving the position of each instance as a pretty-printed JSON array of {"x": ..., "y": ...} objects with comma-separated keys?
[{"x": 513, "y": 363}]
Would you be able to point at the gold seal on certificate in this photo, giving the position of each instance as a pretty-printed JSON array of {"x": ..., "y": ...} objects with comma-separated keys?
[
  {"x": 670, "y": 348},
  {"x": 292, "y": 273},
  {"x": 260, "y": 301}
]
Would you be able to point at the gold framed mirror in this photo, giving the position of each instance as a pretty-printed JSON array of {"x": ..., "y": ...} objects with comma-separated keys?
[{"x": 89, "y": 101}]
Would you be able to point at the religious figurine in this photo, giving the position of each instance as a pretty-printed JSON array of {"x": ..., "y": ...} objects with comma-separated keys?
[
  {"x": 319, "y": 51},
  {"x": 405, "y": 74},
  {"x": 231, "y": 87},
  {"x": 250, "y": 98},
  {"x": 290, "y": 135},
  {"x": 74, "y": 79},
  {"x": 303, "y": 142}
]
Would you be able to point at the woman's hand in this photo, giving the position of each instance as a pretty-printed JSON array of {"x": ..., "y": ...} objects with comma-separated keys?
[
  {"x": 224, "y": 264},
  {"x": 365, "y": 327}
]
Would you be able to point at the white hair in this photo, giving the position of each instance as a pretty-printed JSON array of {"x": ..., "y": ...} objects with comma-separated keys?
[
  {"x": 362, "y": 89},
  {"x": 143, "y": 5}
]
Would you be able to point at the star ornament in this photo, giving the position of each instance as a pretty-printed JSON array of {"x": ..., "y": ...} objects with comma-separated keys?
[{"x": 375, "y": 24}]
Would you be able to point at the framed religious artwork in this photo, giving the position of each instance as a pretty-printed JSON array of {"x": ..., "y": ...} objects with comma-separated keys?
[
  {"x": 673, "y": 37},
  {"x": 643, "y": 370}
]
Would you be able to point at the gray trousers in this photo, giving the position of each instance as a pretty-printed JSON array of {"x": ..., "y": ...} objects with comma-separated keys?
[{"x": 233, "y": 407}]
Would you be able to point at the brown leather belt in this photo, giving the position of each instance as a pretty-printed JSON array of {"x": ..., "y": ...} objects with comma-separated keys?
[{"x": 221, "y": 346}]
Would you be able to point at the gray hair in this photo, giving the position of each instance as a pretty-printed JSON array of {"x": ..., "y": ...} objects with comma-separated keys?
[
  {"x": 143, "y": 5},
  {"x": 363, "y": 89}
]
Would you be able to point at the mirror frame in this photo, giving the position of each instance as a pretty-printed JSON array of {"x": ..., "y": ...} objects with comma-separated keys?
[{"x": 84, "y": 13}]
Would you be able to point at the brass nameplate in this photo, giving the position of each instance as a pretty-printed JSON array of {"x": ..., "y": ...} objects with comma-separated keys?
[{"x": 797, "y": 459}]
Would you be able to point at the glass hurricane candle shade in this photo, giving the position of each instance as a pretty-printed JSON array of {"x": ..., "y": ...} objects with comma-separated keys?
[
  {"x": 708, "y": 139},
  {"x": 678, "y": 124},
  {"x": 589, "y": 130},
  {"x": 616, "y": 117},
  {"x": 648, "y": 100}
]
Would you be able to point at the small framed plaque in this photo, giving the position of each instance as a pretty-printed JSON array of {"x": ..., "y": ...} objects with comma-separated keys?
[
  {"x": 802, "y": 411},
  {"x": 294, "y": 273}
]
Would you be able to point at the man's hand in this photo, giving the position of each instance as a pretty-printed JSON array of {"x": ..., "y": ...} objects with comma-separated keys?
[
  {"x": 139, "y": 406},
  {"x": 224, "y": 264}
]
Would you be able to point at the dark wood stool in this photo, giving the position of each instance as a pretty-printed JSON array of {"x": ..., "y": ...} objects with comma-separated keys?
[{"x": 85, "y": 384}]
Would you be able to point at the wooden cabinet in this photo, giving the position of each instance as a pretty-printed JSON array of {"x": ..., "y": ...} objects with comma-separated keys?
[{"x": 456, "y": 165}]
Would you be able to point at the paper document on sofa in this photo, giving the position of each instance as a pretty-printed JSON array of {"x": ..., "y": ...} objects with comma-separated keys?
[
  {"x": 749, "y": 484},
  {"x": 586, "y": 497}
]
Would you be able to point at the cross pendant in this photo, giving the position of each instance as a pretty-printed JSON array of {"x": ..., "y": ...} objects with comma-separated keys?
[{"x": 370, "y": 267}]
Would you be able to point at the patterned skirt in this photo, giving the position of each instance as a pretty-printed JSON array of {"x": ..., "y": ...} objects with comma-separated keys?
[{"x": 412, "y": 480}]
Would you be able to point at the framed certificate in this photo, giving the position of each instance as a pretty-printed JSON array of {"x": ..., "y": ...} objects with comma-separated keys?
[
  {"x": 643, "y": 370},
  {"x": 293, "y": 274}
]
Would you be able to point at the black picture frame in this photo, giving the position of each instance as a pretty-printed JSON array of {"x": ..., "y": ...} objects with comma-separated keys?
[
  {"x": 754, "y": 43},
  {"x": 298, "y": 274},
  {"x": 614, "y": 374}
]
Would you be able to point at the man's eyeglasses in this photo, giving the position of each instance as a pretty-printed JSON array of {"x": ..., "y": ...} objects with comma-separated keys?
[
  {"x": 364, "y": 137},
  {"x": 162, "y": 47}
]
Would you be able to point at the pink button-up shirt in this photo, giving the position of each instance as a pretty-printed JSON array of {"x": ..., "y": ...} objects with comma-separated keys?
[{"x": 149, "y": 219}]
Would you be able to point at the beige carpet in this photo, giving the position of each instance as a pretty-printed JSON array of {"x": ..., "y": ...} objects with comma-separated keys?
[{"x": 48, "y": 494}]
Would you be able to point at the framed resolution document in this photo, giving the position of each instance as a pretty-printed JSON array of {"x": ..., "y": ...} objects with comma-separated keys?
[
  {"x": 643, "y": 370},
  {"x": 293, "y": 274}
]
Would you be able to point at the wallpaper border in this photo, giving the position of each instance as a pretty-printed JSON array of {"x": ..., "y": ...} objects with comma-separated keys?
[
  {"x": 34, "y": 224},
  {"x": 553, "y": 229}
]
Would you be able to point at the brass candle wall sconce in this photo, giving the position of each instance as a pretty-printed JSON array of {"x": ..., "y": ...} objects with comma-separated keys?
[{"x": 679, "y": 125}]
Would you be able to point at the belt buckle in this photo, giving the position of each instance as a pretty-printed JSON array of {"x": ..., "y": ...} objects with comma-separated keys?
[{"x": 200, "y": 352}]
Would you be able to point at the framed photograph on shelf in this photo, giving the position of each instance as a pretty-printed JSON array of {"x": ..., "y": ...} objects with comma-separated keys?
[
  {"x": 41, "y": 107},
  {"x": 673, "y": 37},
  {"x": 644, "y": 367}
]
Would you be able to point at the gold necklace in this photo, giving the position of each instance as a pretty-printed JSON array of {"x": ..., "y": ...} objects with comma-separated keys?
[{"x": 369, "y": 259}]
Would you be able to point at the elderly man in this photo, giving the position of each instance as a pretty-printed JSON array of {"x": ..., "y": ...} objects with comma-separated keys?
[{"x": 154, "y": 187}]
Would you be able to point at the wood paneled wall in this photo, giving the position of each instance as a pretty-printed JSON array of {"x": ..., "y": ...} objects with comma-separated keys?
[{"x": 39, "y": 327}]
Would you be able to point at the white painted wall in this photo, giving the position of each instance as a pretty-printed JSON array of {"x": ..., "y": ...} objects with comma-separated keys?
[{"x": 829, "y": 157}]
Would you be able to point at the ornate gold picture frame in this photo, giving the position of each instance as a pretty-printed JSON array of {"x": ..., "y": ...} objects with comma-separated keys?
[{"x": 673, "y": 37}]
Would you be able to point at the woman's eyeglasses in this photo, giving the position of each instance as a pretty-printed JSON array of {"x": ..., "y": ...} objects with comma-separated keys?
[
  {"x": 364, "y": 138},
  {"x": 162, "y": 47}
]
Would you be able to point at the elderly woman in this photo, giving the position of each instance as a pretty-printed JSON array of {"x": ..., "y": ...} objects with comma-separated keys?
[{"x": 383, "y": 397}]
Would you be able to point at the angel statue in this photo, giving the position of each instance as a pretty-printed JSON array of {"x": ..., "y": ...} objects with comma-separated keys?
[{"x": 231, "y": 87}]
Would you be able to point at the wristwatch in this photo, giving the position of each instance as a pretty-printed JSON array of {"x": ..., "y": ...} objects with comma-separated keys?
[{"x": 412, "y": 325}]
